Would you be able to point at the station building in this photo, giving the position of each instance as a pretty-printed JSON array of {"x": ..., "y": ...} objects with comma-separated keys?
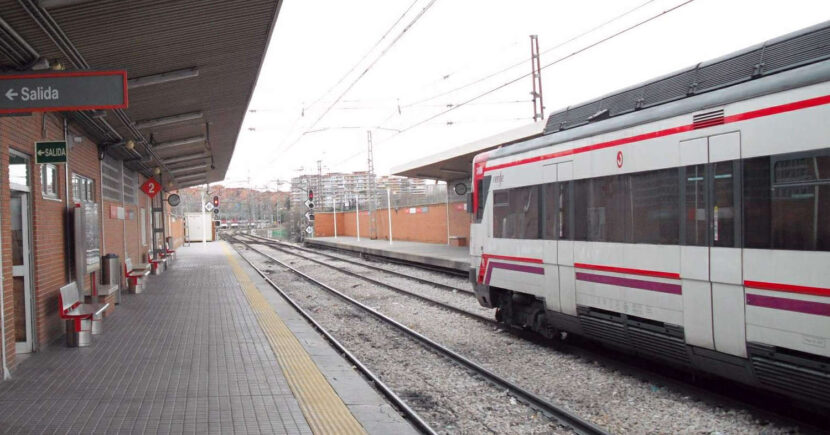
[{"x": 191, "y": 67}]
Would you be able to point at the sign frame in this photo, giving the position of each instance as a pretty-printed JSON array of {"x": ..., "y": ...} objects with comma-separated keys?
[
  {"x": 40, "y": 160},
  {"x": 58, "y": 74}
]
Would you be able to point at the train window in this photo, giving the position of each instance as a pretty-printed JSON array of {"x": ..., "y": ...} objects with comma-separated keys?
[
  {"x": 551, "y": 199},
  {"x": 695, "y": 216},
  {"x": 757, "y": 226},
  {"x": 563, "y": 218},
  {"x": 788, "y": 205},
  {"x": 724, "y": 212},
  {"x": 608, "y": 209},
  {"x": 655, "y": 206},
  {"x": 482, "y": 189},
  {"x": 580, "y": 209},
  {"x": 516, "y": 213}
]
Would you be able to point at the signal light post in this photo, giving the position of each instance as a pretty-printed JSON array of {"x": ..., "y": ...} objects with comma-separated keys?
[{"x": 310, "y": 213}]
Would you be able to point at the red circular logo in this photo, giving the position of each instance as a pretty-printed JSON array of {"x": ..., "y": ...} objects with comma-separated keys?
[{"x": 619, "y": 159}]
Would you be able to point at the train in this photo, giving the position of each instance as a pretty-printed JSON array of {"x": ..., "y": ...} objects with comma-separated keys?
[{"x": 685, "y": 219}]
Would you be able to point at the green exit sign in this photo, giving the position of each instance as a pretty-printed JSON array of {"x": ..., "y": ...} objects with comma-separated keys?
[{"x": 50, "y": 152}]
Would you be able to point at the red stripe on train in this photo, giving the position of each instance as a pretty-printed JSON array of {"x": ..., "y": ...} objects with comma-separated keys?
[
  {"x": 768, "y": 111},
  {"x": 655, "y": 273},
  {"x": 789, "y": 288}
]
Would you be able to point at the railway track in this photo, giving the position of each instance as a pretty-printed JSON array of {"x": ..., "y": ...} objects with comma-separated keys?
[
  {"x": 288, "y": 249},
  {"x": 679, "y": 381},
  {"x": 554, "y": 411},
  {"x": 369, "y": 266}
]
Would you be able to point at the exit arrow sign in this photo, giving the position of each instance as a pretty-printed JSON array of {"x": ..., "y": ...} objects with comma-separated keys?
[{"x": 50, "y": 152}]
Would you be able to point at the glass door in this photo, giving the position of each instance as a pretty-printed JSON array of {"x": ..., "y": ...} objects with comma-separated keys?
[{"x": 19, "y": 181}]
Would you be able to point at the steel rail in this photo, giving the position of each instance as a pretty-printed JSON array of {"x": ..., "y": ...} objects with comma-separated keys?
[
  {"x": 430, "y": 301},
  {"x": 378, "y": 268},
  {"x": 410, "y": 413},
  {"x": 558, "y": 413}
]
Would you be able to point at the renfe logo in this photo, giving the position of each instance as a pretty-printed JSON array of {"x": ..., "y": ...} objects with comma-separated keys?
[{"x": 619, "y": 159}]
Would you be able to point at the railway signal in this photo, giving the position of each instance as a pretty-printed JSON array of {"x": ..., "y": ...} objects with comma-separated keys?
[
  {"x": 309, "y": 215},
  {"x": 310, "y": 201}
]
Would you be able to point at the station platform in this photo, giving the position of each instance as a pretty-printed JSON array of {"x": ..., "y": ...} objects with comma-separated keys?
[
  {"x": 208, "y": 347},
  {"x": 432, "y": 254}
]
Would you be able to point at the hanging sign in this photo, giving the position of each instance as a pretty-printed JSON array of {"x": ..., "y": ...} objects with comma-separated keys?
[
  {"x": 151, "y": 187},
  {"x": 63, "y": 91}
]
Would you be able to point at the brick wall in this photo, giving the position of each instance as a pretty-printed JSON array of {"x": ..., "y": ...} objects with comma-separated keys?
[
  {"x": 48, "y": 220},
  {"x": 427, "y": 224}
]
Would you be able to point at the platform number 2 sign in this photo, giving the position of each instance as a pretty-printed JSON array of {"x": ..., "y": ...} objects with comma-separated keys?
[{"x": 151, "y": 187}]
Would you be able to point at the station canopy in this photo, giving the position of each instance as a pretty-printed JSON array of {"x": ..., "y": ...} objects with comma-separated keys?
[
  {"x": 457, "y": 163},
  {"x": 192, "y": 66}
]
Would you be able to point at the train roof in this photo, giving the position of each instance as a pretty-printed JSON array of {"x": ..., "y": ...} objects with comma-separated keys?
[
  {"x": 791, "y": 61},
  {"x": 786, "y": 52}
]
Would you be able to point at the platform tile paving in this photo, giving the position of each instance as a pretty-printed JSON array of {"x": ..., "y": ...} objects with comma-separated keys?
[{"x": 185, "y": 356}]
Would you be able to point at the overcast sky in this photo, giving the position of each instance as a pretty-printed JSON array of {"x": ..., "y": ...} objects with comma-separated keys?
[{"x": 456, "y": 43}]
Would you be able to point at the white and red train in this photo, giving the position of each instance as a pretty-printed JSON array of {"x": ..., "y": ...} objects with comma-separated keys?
[{"x": 685, "y": 219}]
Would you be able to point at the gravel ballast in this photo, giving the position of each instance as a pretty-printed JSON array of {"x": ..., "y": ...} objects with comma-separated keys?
[
  {"x": 616, "y": 401},
  {"x": 449, "y": 398}
]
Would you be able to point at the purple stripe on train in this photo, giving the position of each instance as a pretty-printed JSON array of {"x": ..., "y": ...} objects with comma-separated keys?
[
  {"x": 807, "y": 307},
  {"x": 661, "y": 287},
  {"x": 514, "y": 267}
]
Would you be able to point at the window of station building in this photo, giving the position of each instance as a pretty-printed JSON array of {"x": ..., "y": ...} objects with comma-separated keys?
[
  {"x": 49, "y": 184},
  {"x": 83, "y": 189},
  {"x": 18, "y": 170},
  {"x": 130, "y": 186},
  {"x": 787, "y": 201},
  {"x": 516, "y": 213},
  {"x": 112, "y": 179}
]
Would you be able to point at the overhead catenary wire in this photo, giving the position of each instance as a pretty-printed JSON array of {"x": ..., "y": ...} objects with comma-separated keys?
[
  {"x": 547, "y": 65},
  {"x": 366, "y": 70},
  {"x": 524, "y": 61},
  {"x": 515, "y": 80},
  {"x": 376, "y": 44}
]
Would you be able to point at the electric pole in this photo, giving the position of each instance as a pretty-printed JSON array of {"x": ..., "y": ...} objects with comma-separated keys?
[
  {"x": 373, "y": 228},
  {"x": 536, "y": 68}
]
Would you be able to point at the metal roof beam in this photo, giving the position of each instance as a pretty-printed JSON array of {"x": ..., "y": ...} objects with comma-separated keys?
[
  {"x": 52, "y": 4},
  {"x": 188, "y": 168},
  {"x": 179, "y": 142},
  {"x": 167, "y": 120},
  {"x": 182, "y": 159},
  {"x": 165, "y": 77}
]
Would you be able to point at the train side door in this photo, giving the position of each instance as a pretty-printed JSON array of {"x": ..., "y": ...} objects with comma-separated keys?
[
  {"x": 565, "y": 244},
  {"x": 726, "y": 265},
  {"x": 711, "y": 267}
]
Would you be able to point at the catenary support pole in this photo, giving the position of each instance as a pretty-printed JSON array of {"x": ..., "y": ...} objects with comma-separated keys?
[
  {"x": 357, "y": 214},
  {"x": 334, "y": 207},
  {"x": 448, "y": 213},
  {"x": 389, "y": 212}
]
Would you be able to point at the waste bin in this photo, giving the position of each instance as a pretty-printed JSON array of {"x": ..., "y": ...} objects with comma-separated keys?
[{"x": 111, "y": 273}]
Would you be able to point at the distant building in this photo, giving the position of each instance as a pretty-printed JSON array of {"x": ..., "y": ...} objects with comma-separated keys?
[{"x": 341, "y": 187}]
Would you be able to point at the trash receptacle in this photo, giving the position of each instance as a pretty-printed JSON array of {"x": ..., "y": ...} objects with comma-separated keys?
[{"x": 111, "y": 273}]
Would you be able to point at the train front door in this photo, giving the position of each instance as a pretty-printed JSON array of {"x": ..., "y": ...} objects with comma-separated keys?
[{"x": 711, "y": 266}]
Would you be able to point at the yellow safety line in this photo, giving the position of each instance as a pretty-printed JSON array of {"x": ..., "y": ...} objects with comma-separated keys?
[{"x": 323, "y": 409}]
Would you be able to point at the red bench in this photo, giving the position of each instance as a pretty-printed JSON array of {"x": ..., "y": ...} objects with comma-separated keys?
[{"x": 82, "y": 320}]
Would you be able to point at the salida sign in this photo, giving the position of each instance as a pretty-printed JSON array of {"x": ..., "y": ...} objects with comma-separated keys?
[
  {"x": 50, "y": 152},
  {"x": 63, "y": 91}
]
